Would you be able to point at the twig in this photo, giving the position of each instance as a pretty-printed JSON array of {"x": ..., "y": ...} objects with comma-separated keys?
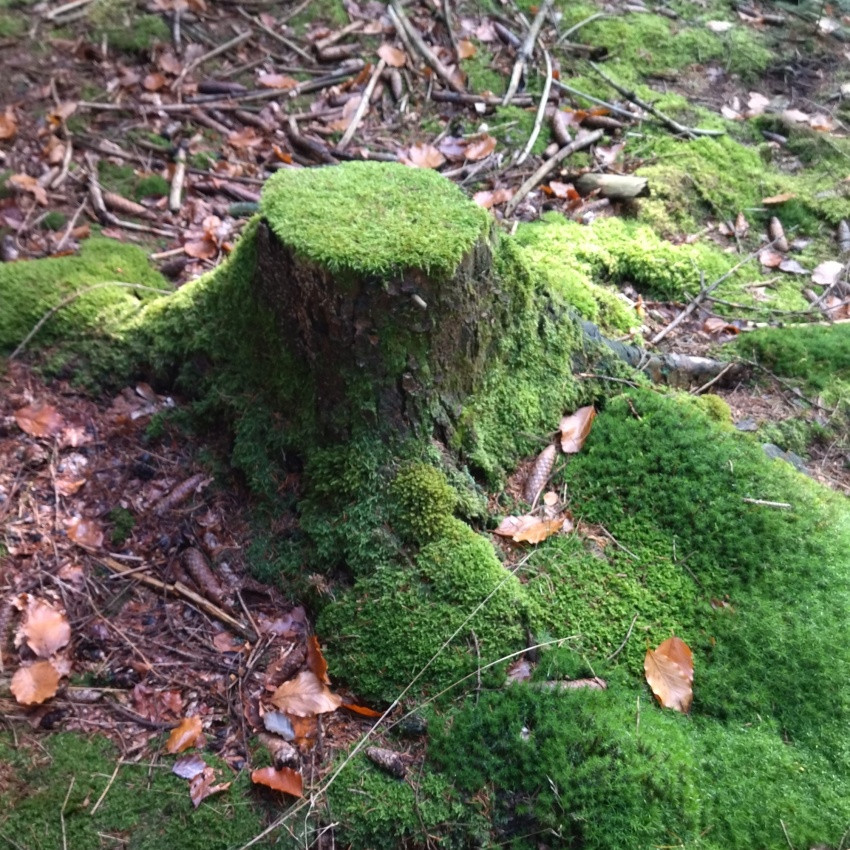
[
  {"x": 53, "y": 14},
  {"x": 591, "y": 99},
  {"x": 766, "y": 503},
  {"x": 291, "y": 45},
  {"x": 541, "y": 111},
  {"x": 401, "y": 21},
  {"x": 101, "y": 798},
  {"x": 447, "y": 17},
  {"x": 704, "y": 291},
  {"x": 190, "y": 595},
  {"x": 176, "y": 191},
  {"x": 73, "y": 297},
  {"x": 362, "y": 107},
  {"x": 617, "y": 543},
  {"x": 622, "y": 646},
  {"x": 714, "y": 380},
  {"x": 216, "y": 51},
  {"x": 71, "y": 225},
  {"x": 526, "y": 49},
  {"x": 672, "y": 123},
  {"x": 782, "y": 824},
  {"x": 66, "y": 160},
  {"x": 62, "y": 813},
  {"x": 576, "y": 27},
  {"x": 549, "y": 165}
]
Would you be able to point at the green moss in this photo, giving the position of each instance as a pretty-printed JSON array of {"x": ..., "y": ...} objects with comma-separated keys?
[
  {"x": 120, "y": 179},
  {"x": 151, "y": 186},
  {"x": 422, "y": 502},
  {"x": 12, "y": 26},
  {"x": 125, "y": 29},
  {"x": 330, "y": 12},
  {"x": 379, "y": 812},
  {"x": 144, "y": 809},
  {"x": 54, "y": 220},
  {"x": 29, "y": 289},
  {"x": 393, "y": 621},
  {"x": 512, "y": 127},
  {"x": 481, "y": 74},
  {"x": 123, "y": 523},
  {"x": 715, "y": 408},
  {"x": 417, "y": 219}
]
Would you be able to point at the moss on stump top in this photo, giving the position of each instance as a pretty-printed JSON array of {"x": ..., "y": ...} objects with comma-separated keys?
[{"x": 372, "y": 218}]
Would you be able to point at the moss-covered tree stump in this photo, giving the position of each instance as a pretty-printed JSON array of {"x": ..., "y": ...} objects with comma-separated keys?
[{"x": 381, "y": 279}]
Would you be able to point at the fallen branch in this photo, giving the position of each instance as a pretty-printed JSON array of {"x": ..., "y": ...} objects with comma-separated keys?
[
  {"x": 672, "y": 123},
  {"x": 541, "y": 111},
  {"x": 526, "y": 49},
  {"x": 181, "y": 590},
  {"x": 362, "y": 107},
  {"x": 549, "y": 165}
]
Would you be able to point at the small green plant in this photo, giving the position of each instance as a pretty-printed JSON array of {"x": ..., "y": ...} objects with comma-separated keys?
[{"x": 123, "y": 523}]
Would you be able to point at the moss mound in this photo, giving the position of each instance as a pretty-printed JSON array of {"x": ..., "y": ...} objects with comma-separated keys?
[{"x": 383, "y": 217}]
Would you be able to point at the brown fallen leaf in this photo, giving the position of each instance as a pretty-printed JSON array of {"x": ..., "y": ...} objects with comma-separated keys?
[
  {"x": 45, "y": 629},
  {"x": 770, "y": 259},
  {"x": 84, "y": 532},
  {"x": 480, "y": 147},
  {"x": 575, "y": 428},
  {"x": 202, "y": 786},
  {"x": 528, "y": 528},
  {"x": 35, "y": 683},
  {"x": 669, "y": 671},
  {"x": 8, "y": 124},
  {"x": 316, "y": 661},
  {"x": 394, "y": 57},
  {"x": 716, "y": 325},
  {"x": 154, "y": 81},
  {"x": 29, "y": 184},
  {"x": 184, "y": 735},
  {"x": 424, "y": 156},
  {"x": 281, "y": 779},
  {"x": 40, "y": 419},
  {"x": 277, "y": 81},
  {"x": 362, "y": 710},
  {"x": 828, "y": 273},
  {"x": 305, "y": 696}
]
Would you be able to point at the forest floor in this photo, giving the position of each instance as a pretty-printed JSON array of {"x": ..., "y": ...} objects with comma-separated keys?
[{"x": 158, "y": 126}]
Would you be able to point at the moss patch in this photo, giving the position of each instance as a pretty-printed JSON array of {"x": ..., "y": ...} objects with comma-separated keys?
[{"x": 417, "y": 219}]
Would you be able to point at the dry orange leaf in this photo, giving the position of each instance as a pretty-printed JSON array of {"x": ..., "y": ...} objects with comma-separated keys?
[
  {"x": 669, "y": 672},
  {"x": 716, "y": 325},
  {"x": 424, "y": 156},
  {"x": 283, "y": 779},
  {"x": 778, "y": 199},
  {"x": 362, "y": 710},
  {"x": 277, "y": 81},
  {"x": 575, "y": 428},
  {"x": 481, "y": 147},
  {"x": 154, "y": 81},
  {"x": 184, "y": 735},
  {"x": 45, "y": 629},
  {"x": 247, "y": 138},
  {"x": 8, "y": 124},
  {"x": 528, "y": 528},
  {"x": 84, "y": 532},
  {"x": 394, "y": 57},
  {"x": 201, "y": 249},
  {"x": 305, "y": 696},
  {"x": 492, "y": 198},
  {"x": 36, "y": 683},
  {"x": 465, "y": 49},
  {"x": 316, "y": 661},
  {"x": 40, "y": 420}
]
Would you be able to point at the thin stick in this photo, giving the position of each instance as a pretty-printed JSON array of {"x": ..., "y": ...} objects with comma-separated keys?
[
  {"x": 71, "y": 225},
  {"x": 278, "y": 37},
  {"x": 101, "y": 798},
  {"x": 62, "y": 814},
  {"x": 714, "y": 380},
  {"x": 399, "y": 18},
  {"x": 782, "y": 824},
  {"x": 704, "y": 291},
  {"x": 622, "y": 646},
  {"x": 447, "y": 17},
  {"x": 53, "y": 14},
  {"x": 576, "y": 27},
  {"x": 541, "y": 111},
  {"x": 73, "y": 297},
  {"x": 589, "y": 97},
  {"x": 767, "y": 504},
  {"x": 549, "y": 165},
  {"x": 526, "y": 49},
  {"x": 362, "y": 107},
  {"x": 674, "y": 125},
  {"x": 176, "y": 192},
  {"x": 216, "y": 51}
]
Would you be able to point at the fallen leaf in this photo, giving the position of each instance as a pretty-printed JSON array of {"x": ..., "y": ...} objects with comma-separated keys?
[
  {"x": 362, "y": 710},
  {"x": 669, "y": 672},
  {"x": 84, "y": 532},
  {"x": 575, "y": 428},
  {"x": 792, "y": 267},
  {"x": 465, "y": 49},
  {"x": 394, "y": 57},
  {"x": 305, "y": 695},
  {"x": 201, "y": 249},
  {"x": 565, "y": 191},
  {"x": 184, "y": 735},
  {"x": 823, "y": 123},
  {"x": 770, "y": 258},
  {"x": 716, "y": 325},
  {"x": 719, "y": 26},
  {"x": 40, "y": 420},
  {"x": 828, "y": 25},
  {"x": 778, "y": 199},
  {"x": 35, "y": 683},
  {"x": 45, "y": 629},
  {"x": 281, "y": 779},
  {"x": 756, "y": 104},
  {"x": 226, "y": 642},
  {"x": 519, "y": 670},
  {"x": 730, "y": 114},
  {"x": 8, "y": 124},
  {"x": 828, "y": 273},
  {"x": 316, "y": 661},
  {"x": 528, "y": 528},
  {"x": 202, "y": 786},
  {"x": 424, "y": 156},
  {"x": 277, "y": 81},
  {"x": 247, "y": 138},
  {"x": 154, "y": 81},
  {"x": 169, "y": 63},
  {"x": 796, "y": 116},
  {"x": 480, "y": 147},
  {"x": 488, "y": 199},
  {"x": 189, "y": 766}
]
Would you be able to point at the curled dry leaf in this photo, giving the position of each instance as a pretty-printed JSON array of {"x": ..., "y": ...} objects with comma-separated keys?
[
  {"x": 316, "y": 661},
  {"x": 281, "y": 779},
  {"x": 305, "y": 696},
  {"x": 488, "y": 199},
  {"x": 528, "y": 528},
  {"x": 84, "y": 532},
  {"x": 669, "y": 672},
  {"x": 770, "y": 259},
  {"x": 575, "y": 428},
  {"x": 45, "y": 629},
  {"x": 716, "y": 325},
  {"x": 202, "y": 786},
  {"x": 424, "y": 156},
  {"x": 40, "y": 420},
  {"x": 154, "y": 81},
  {"x": 184, "y": 735},
  {"x": 480, "y": 147},
  {"x": 394, "y": 57},
  {"x": 277, "y": 81},
  {"x": 35, "y": 683},
  {"x": 828, "y": 273},
  {"x": 188, "y": 767}
]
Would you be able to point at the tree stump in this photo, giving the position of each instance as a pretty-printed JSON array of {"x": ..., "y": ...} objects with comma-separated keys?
[{"x": 381, "y": 279}]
